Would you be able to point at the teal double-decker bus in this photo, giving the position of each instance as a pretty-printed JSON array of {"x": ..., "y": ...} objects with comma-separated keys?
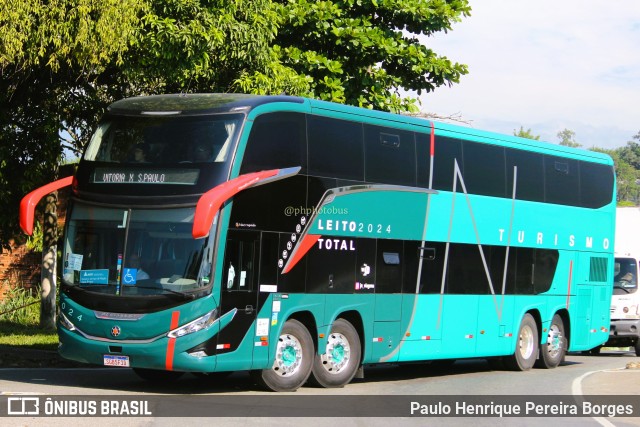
[{"x": 302, "y": 240}]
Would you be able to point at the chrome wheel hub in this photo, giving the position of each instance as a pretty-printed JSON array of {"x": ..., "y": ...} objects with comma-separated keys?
[
  {"x": 527, "y": 343},
  {"x": 288, "y": 356},
  {"x": 337, "y": 354}
]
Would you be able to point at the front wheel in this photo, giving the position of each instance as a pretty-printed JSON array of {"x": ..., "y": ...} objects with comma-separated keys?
[
  {"x": 341, "y": 359},
  {"x": 526, "y": 346},
  {"x": 292, "y": 365},
  {"x": 553, "y": 350}
]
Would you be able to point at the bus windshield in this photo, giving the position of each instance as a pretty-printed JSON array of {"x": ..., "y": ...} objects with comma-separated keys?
[
  {"x": 626, "y": 276},
  {"x": 164, "y": 139},
  {"x": 135, "y": 252}
]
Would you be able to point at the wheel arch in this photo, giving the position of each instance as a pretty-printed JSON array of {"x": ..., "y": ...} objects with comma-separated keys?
[
  {"x": 566, "y": 322},
  {"x": 535, "y": 313},
  {"x": 309, "y": 322}
]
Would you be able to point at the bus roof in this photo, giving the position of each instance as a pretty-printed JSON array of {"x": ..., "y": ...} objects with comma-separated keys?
[
  {"x": 470, "y": 133},
  {"x": 194, "y": 104},
  {"x": 211, "y": 103}
]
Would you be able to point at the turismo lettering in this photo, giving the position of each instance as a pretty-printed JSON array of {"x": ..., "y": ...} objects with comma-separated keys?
[{"x": 541, "y": 239}]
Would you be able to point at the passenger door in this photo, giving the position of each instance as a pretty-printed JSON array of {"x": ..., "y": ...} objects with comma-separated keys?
[{"x": 239, "y": 290}]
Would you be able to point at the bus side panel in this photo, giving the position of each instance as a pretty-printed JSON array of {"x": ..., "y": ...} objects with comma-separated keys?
[
  {"x": 422, "y": 340},
  {"x": 494, "y": 334},
  {"x": 459, "y": 322},
  {"x": 589, "y": 304}
]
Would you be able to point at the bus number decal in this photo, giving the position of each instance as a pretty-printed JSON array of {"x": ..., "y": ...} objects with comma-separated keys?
[{"x": 353, "y": 226}]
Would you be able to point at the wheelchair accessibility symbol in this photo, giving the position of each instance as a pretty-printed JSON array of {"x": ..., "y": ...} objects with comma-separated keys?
[{"x": 129, "y": 276}]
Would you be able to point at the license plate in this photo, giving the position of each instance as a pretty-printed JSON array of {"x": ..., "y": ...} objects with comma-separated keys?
[{"x": 116, "y": 360}]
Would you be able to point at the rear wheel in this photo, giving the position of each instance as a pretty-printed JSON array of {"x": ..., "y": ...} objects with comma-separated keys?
[
  {"x": 637, "y": 347},
  {"x": 526, "y": 346},
  {"x": 553, "y": 350},
  {"x": 157, "y": 376},
  {"x": 294, "y": 357},
  {"x": 341, "y": 359}
]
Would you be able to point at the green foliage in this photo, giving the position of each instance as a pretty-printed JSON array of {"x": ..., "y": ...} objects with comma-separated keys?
[
  {"x": 631, "y": 153},
  {"x": 57, "y": 34},
  {"x": 52, "y": 56},
  {"x": 191, "y": 45},
  {"x": 35, "y": 241},
  {"x": 526, "y": 134},
  {"x": 21, "y": 306},
  {"x": 63, "y": 61},
  {"x": 362, "y": 52},
  {"x": 568, "y": 138}
]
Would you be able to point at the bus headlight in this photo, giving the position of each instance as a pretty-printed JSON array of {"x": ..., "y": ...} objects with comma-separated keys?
[{"x": 197, "y": 325}]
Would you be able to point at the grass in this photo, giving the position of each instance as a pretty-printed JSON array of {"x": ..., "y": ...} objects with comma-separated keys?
[
  {"x": 19, "y": 322},
  {"x": 27, "y": 337}
]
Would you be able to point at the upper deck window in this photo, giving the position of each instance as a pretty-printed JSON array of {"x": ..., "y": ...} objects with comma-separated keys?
[{"x": 164, "y": 140}]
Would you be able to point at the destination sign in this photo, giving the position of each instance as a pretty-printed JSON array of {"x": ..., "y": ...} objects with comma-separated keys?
[{"x": 148, "y": 176}]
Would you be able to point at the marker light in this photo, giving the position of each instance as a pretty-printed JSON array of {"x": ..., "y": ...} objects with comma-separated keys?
[
  {"x": 65, "y": 323},
  {"x": 197, "y": 325}
]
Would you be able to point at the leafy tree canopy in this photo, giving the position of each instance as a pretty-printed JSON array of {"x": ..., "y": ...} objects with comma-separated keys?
[
  {"x": 526, "y": 134},
  {"x": 568, "y": 138},
  {"x": 63, "y": 61},
  {"x": 362, "y": 52}
]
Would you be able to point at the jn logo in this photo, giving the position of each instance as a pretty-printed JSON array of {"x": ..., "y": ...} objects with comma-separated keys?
[{"x": 23, "y": 406}]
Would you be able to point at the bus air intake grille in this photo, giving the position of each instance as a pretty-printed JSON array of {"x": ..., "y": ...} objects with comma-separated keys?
[{"x": 598, "y": 269}]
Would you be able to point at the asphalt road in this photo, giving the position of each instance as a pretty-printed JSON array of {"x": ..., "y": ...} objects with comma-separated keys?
[{"x": 199, "y": 401}]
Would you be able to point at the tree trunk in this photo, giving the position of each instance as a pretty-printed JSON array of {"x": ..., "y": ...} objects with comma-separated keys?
[{"x": 49, "y": 255}]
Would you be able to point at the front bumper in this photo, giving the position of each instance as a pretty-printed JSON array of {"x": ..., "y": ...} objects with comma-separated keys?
[
  {"x": 159, "y": 354},
  {"x": 624, "y": 332}
]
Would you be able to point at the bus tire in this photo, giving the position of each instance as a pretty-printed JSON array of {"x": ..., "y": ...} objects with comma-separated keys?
[
  {"x": 637, "y": 347},
  {"x": 157, "y": 375},
  {"x": 294, "y": 357},
  {"x": 526, "y": 350},
  {"x": 553, "y": 350},
  {"x": 341, "y": 359}
]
